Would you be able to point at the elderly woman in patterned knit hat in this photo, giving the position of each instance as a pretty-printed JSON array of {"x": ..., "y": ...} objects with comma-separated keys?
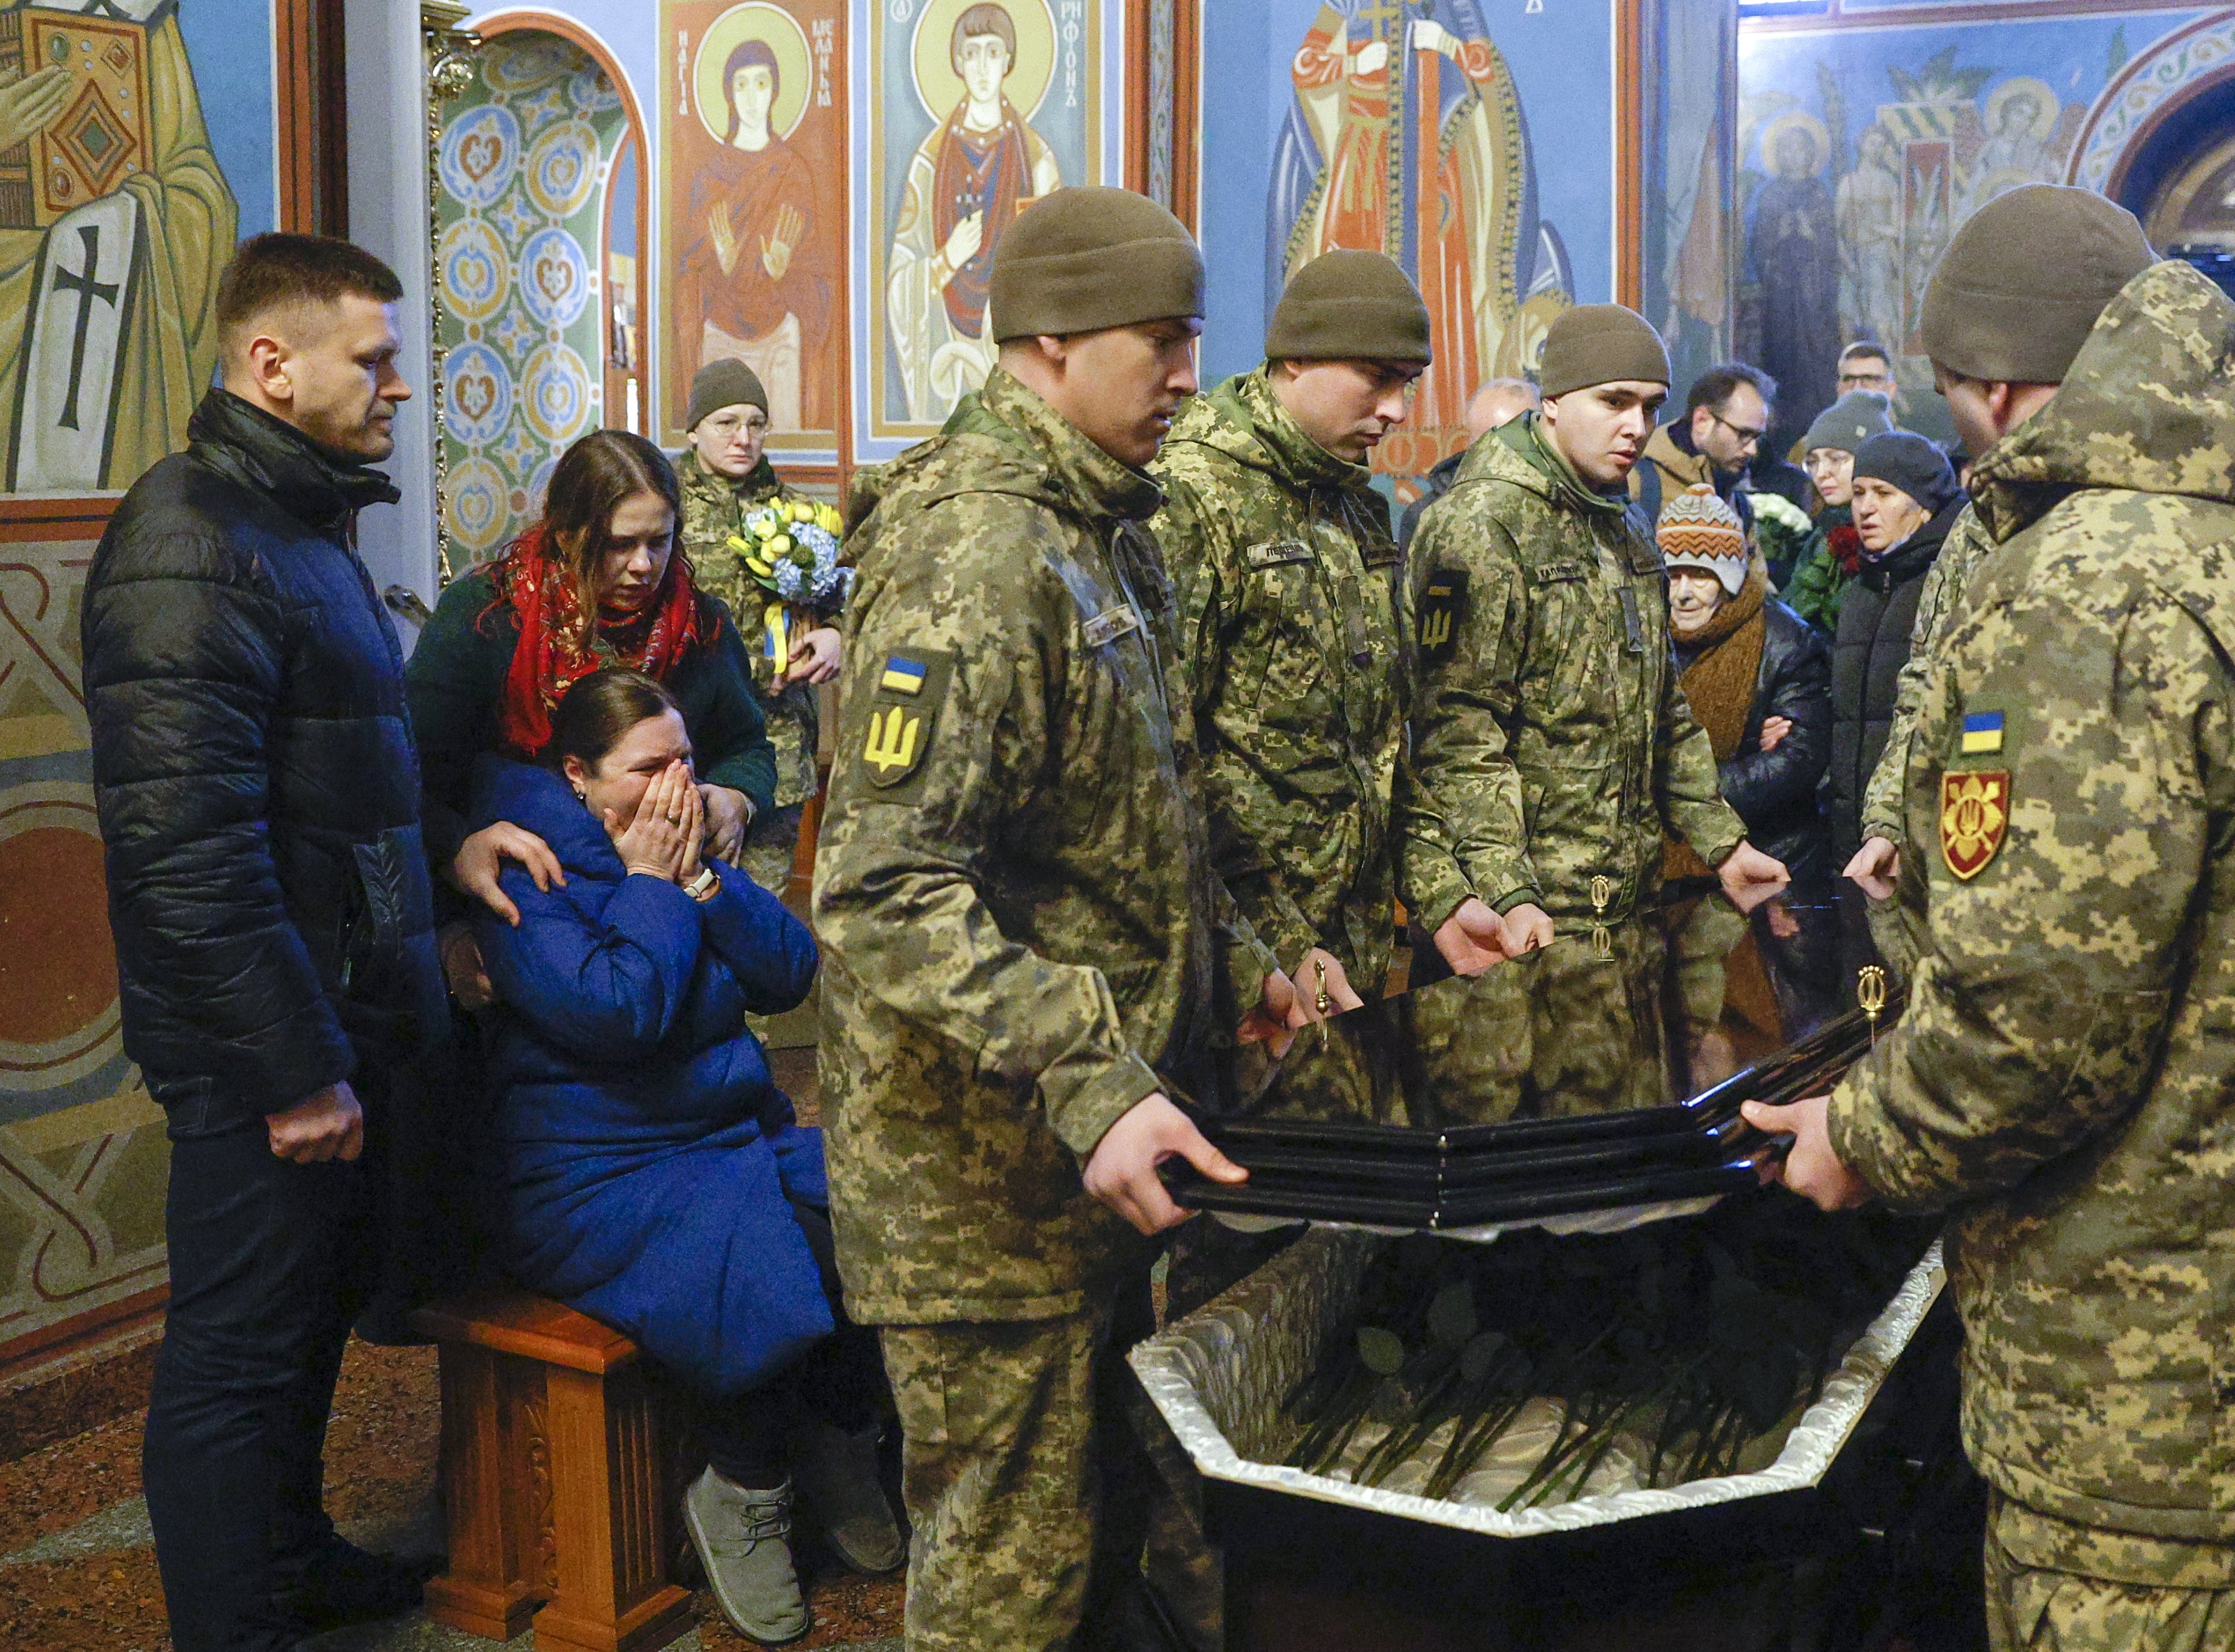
[
  {"x": 1757, "y": 678},
  {"x": 735, "y": 507}
]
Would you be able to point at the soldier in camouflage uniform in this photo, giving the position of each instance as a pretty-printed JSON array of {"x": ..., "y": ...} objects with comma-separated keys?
[
  {"x": 1551, "y": 745},
  {"x": 1290, "y": 617},
  {"x": 1020, "y": 928},
  {"x": 726, "y": 476},
  {"x": 2061, "y": 1079}
]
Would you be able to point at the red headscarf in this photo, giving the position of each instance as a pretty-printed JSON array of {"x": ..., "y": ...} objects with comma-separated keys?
[{"x": 549, "y": 660}]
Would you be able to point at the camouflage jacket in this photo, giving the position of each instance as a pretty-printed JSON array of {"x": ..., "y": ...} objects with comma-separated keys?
[
  {"x": 1965, "y": 548},
  {"x": 2064, "y": 1076},
  {"x": 1550, "y": 742},
  {"x": 1287, "y": 576},
  {"x": 714, "y": 510},
  {"x": 1013, "y": 890}
]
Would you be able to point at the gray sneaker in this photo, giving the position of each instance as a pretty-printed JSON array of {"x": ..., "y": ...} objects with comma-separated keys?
[
  {"x": 838, "y": 1479},
  {"x": 741, "y": 1537}
]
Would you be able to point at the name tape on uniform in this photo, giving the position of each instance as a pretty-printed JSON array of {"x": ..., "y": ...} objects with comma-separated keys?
[{"x": 1110, "y": 625}]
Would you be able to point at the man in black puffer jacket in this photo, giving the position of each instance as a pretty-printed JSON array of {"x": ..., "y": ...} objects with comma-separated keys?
[{"x": 259, "y": 801}]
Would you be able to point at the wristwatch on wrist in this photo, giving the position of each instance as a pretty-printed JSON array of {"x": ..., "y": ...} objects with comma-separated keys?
[{"x": 704, "y": 886}]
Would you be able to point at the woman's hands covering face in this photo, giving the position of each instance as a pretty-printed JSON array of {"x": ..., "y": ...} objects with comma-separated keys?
[{"x": 660, "y": 839}]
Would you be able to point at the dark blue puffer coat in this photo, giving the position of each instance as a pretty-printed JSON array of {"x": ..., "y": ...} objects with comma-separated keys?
[{"x": 645, "y": 1153}]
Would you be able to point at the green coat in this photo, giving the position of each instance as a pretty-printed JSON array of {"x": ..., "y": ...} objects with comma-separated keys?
[
  {"x": 2063, "y": 1079},
  {"x": 1550, "y": 742},
  {"x": 1289, "y": 615},
  {"x": 456, "y": 682},
  {"x": 714, "y": 511},
  {"x": 1013, "y": 887}
]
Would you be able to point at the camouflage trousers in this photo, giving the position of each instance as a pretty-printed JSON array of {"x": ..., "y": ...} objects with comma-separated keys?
[
  {"x": 1567, "y": 1029},
  {"x": 2055, "y": 1587},
  {"x": 1024, "y": 1480},
  {"x": 770, "y": 842}
]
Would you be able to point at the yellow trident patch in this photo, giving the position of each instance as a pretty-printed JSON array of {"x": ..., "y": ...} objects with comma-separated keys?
[
  {"x": 1441, "y": 603},
  {"x": 893, "y": 734},
  {"x": 907, "y": 697}
]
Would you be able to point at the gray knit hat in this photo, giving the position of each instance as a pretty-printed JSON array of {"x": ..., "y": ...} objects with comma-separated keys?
[
  {"x": 1347, "y": 305},
  {"x": 1091, "y": 257},
  {"x": 722, "y": 384},
  {"x": 1850, "y": 422},
  {"x": 2020, "y": 287},
  {"x": 1598, "y": 343}
]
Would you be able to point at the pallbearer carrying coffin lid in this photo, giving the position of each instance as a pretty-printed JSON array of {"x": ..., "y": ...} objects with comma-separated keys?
[
  {"x": 1550, "y": 742},
  {"x": 2063, "y": 1079},
  {"x": 1291, "y": 622},
  {"x": 1022, "y": 931}
]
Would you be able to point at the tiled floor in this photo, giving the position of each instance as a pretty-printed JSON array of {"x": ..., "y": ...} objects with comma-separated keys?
[{"x": 78, "y": 1573}]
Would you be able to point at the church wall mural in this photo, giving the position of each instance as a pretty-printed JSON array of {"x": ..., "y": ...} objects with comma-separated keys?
[
  {"x": 1866, "y": 140},
  {"x": 1688, "y": 251},
  {"x": 138, "y": 140},
  {"x": 526, "y": 157},
  {"x": 1479, "y": 145},
  {"x": 755, "y": 209},
  {"x": 972, "y": 109}
]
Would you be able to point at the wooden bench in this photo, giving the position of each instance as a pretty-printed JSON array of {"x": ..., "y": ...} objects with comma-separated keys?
[{"x": 558, "y": 1476}]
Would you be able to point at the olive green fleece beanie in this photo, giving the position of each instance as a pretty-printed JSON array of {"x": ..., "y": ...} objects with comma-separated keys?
[
  {"x": 2020, "y": 287},
  {"x": 1598, "y": 343},
  {"x": 1346, "y": 306},
  {"x": 1091, "y": 257}
]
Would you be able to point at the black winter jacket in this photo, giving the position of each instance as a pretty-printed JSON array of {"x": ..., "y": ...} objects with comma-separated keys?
[
  {"x": 1775, "y": 791},
  {"x": 253, "y": 771},
  {"x": 1867, "y": 654}
]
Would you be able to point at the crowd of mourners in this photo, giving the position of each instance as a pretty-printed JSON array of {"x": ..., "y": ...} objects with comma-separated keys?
[{"x": 1149, "y": 721}]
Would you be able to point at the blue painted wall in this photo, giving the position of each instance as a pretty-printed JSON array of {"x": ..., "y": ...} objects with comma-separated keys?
[{"x": 229, "y": 44}]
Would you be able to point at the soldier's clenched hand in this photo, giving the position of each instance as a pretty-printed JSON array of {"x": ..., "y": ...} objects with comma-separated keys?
[
  {"x": 1750, "y": 877},
  {"x": 1321, "y": 972},
  {"x": 1122, "y": 1171},
  {"x": 1811, "y": 1169},
  {"x": 1527, "y": 927},
  {"x": 1471, "y": 939},
  {"x": 1875, "y": 867},
  {"x": 1277, "y": 1016}
]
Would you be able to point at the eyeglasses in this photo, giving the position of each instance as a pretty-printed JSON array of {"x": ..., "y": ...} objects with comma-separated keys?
[
  {"x": 728, "y": 424},
  {"x": 1865, "y": 380},
  {"x": 1749, "y": 437}
]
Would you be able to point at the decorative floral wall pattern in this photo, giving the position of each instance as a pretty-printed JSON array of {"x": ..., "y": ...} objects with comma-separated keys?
[{"x": 526, "y": 158}]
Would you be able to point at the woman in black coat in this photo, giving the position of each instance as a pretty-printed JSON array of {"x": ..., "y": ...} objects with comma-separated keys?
[{"x": 1905, "y": 502}]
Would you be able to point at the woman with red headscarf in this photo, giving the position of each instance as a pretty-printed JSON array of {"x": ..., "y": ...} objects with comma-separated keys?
[{"x": 597, "y": 582}]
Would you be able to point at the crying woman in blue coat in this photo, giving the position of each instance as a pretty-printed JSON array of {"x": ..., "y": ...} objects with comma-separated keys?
[{"x": 653, "y": 1174}]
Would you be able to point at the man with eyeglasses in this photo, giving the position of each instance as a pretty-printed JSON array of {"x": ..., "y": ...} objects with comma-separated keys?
[
  {"x": 726, "y": 476},
  {"x": 1726, "y": 413},
  {"x": 1864, "y": 366}
]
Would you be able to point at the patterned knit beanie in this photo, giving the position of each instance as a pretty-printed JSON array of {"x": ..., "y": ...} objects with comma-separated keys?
[{"x": 1699, "y": 530}]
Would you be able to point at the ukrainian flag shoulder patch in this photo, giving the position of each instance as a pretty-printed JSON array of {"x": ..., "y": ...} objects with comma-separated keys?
[
  {"x": 903, "y": 675},
  {"x": 1983, "y": 733}
]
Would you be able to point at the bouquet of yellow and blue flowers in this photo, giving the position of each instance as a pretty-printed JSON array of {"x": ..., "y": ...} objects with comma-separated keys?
[{"x": 791, "y": 548}]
